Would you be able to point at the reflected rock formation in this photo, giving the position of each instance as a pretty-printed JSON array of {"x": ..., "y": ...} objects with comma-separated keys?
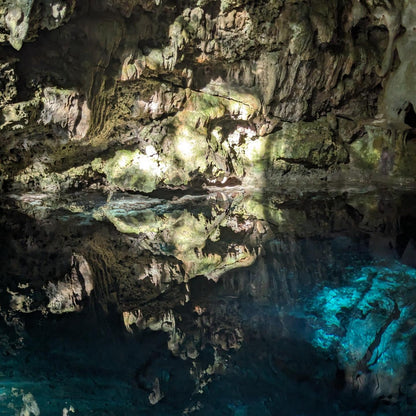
[{"x": 307, "y": 293}]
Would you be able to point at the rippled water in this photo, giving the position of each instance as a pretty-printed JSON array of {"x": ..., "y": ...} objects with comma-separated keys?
[{"x": 322, "y": 323}]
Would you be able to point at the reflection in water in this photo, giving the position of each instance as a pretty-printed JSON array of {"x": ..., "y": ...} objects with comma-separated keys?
[{"x": 226, "y": 303}]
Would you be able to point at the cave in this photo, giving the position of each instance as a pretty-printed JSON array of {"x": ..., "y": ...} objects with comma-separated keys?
[{"x": 202, "y": 210}]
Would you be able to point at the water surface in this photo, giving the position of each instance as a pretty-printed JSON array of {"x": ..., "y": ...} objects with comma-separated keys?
[{"x": 227, "y": 303}]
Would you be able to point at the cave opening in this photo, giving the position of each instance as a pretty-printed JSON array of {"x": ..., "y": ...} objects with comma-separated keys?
[
  {"x": 410, "y": 120},
  {"x": 410, "y": 117}
]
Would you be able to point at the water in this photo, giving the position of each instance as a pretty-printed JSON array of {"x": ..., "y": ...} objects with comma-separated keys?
[{"x": 309, "y": 308}]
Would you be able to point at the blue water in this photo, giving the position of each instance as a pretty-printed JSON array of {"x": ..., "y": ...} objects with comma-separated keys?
[{"x": 319, "y": 325}]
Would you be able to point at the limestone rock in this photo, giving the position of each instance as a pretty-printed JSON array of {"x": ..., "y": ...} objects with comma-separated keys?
[
  {"x": 67, "y": 295},
  {"x": 200, "y": 85},
  {"x": 21, "y": 19}
]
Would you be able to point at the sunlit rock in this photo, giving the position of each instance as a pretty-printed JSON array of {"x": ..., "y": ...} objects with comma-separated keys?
[
  {"x": 17, "y": 22},
  {"x": 21, "y": 19}
]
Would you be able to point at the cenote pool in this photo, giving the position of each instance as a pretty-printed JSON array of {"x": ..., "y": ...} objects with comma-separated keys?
[{"x": 225, "y": 303}]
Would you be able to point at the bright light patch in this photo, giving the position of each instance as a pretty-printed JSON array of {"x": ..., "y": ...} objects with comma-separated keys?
[
  {"x": 123, "y": 161},
  {"x": 241, "y": 111},
  {"x": 234, "y": 138},
  {"x": 185, "y": 148},
  {"x": 255, "y": 149},
  {"x": 154, "y": 105},
  {"x": 146, "y": 163},
  {"x": 216, "y": 133},
  {"x": 150, "y": 150},
  {"x": 250, "y": 133}
]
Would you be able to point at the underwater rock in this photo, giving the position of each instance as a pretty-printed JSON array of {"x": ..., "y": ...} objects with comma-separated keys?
[
  {"x": 30, "y": 407},
  {"x": 363, "y": 328},
  {"x": 156, "y": 395}
]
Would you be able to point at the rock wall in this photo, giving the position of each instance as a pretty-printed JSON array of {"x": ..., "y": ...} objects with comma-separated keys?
[{"x": 139, "y": 95}]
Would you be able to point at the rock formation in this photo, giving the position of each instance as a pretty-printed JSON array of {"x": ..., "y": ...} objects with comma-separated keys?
[
  {"x": 143, "y": 95},
  {"x": 147, "y": 145}
]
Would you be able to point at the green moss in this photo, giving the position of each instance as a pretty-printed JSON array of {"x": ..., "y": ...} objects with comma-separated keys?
[
  {"x": 200, "y": 109},
  {"x": 406, "y": 164},
  {"x": 154, "y": 60},
  {"x": 19, "y": 115},
  {"x": 181, "y": 231},
  {"x": 260, "y": 208},
  {"x": 366, "y": 152},
  {"x": 39, "y": 175},
  {"x": 133, "y": 170},
  {"x": 145, "y": 221},
  {"x": 309, "y": 144}
]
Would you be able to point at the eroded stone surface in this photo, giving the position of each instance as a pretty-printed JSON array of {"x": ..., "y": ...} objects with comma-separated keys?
[{"x": 144, "y": 95}]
